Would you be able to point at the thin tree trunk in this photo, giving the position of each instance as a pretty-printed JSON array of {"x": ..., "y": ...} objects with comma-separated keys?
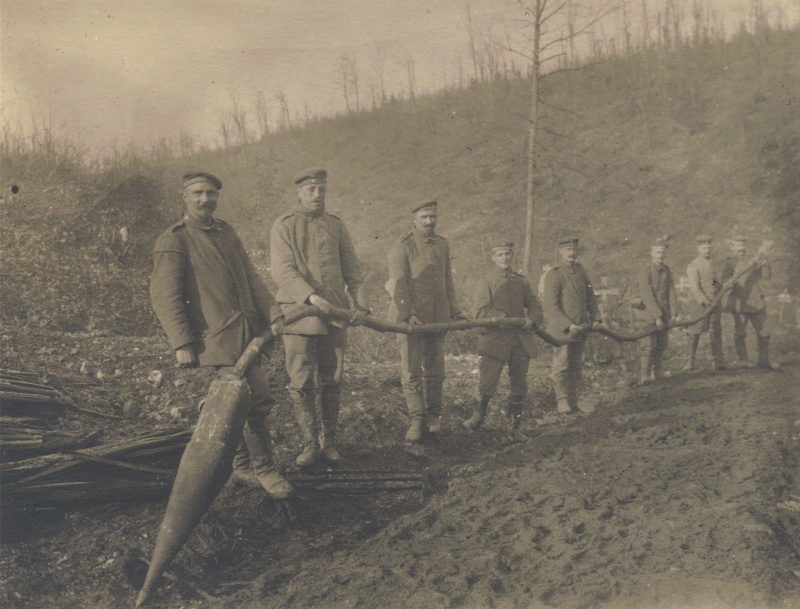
[{"x": 532, "y": 118}]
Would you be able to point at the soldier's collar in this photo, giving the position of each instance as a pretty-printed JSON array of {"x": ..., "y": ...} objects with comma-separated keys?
[
  {"x": 189, "y": 221},
  {"x": 418, "y": 234},
  {"x": 315, "y": 213}
]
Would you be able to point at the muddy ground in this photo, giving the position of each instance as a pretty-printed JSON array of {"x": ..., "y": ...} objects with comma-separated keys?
[{"x": 684, "y": 493}]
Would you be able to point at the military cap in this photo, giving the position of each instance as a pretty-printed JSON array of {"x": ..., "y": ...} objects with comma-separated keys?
[
  {"x": 423, "y": 205},
  {"x": 193, "y": 177},
  {"x": 503, "y": 245},
  {"x": 312, "y": 175},
  {"x": 739, "y": 239},
  {"x": 659, "y": 242},
  {"x": 568, "y": 241},
  {"x": 702, "y": 239}
]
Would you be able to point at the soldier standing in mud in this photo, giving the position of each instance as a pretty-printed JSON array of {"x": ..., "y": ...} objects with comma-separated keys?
[
  {"x": 746, "y": 302},
  {"x": 569, "y": 302},
  {"x": 422, "y": 291},
  {"x": 704, "y": 285},
  {"x": 314, "y": 263},
  {"x": 504, "y": 293},
  {"x": 211, "y": 302},
  {"x": 659, "y": 306}
]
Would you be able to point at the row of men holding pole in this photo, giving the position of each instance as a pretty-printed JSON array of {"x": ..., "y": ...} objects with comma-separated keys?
[{"x": 211, "y": 302}]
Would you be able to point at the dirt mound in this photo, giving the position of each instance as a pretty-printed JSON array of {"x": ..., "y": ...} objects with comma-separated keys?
[{"x": 667, "y": 499}]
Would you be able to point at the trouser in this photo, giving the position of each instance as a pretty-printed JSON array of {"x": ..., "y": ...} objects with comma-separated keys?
[
  {"x": 652, "y": 349},
  {"x": 489, "y": 374},
  {"x": 323, "y": 354},
  {"x": 759, "y": 322},
  {"x": 567, "y": 370},
  {"x": 712, "y": 323},
  {"x": 422, "y": 359},
  {"x": 255, "y": 447}
]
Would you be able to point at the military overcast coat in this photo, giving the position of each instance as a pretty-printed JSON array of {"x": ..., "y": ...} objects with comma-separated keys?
[
  {"x": 746, "y": 295},
  {"x": 568, "y": 298},
  {"x": 506, "y": 294},
  {"x": 421, "y": 280},
  {"x": 312, "y": 253},
  {"x": 205, "y": 291}
]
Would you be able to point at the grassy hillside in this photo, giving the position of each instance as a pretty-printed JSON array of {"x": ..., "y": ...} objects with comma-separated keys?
[{"x": 704, "y": 139}]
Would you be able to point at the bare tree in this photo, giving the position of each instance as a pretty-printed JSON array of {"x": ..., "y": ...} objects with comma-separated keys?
[
  {"x": 262, "y": 115},
  {"x": 348, "y": 78},
  {"x": 544, "y": 36},
  {"x": 379, "y": 69},
  {"x": 284, "y": 104}
]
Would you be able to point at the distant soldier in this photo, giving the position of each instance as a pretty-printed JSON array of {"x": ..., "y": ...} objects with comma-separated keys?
[
  {"x": 704, "y": 285},
  {"x": 569, "y": 302},
  {"x": 746, "y": 302},
  {"x": 314, "y": 263},
  {"x": 504, "y": 293},
  {"x": 659, "y": 306},
  {"x": 422, "y": 291},
  {"x": 211, "y": 302}
]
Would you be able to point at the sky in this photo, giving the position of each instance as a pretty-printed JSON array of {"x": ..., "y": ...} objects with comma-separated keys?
[{"x": 111, "y": 72}]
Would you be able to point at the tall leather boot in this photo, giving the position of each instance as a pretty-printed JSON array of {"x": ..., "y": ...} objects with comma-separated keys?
[
  {"x": 716, "y": 351},
  {"x": 259, "y": 444},
  {"x": 562, "y": 394},
  {"x": 763, "y": 354},
  {"x": 305, "y": 410},
  {"x": 739, "y": 341},
  {"x": 433, "y": 405},
  {"x": 514, "y": 418},
  {"x": 478, "y": 414},
  {"x": 416, "y": 411},
  {"x": 243, "y": 467},
  {"x": 658, "y": 367},
  {"x": 694, "y": 340},
  {"x": 647, "y": 364},
  {"x": 331, "y": 400}
]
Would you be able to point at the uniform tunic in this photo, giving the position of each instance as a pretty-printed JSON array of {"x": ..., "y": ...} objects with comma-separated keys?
[
  {"x": 312, "y": 253},
  {"x": 657, "y": 291},
  {"x": 504, "y": 293},
  {"x": 704, "y": 284},
  {"x": 421, "y": 280},
  {"x": 206, "y": 292},
  {"x": 746, "y": 300}
]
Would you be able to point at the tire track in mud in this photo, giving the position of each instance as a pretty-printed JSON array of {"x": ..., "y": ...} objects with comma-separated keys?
[{"x": 664, "y": 499}]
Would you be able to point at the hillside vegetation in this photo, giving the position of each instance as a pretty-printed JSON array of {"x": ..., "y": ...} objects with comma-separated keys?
[
  {"x": 705, "y": 139},
  {"x": 702, "y": 139}
]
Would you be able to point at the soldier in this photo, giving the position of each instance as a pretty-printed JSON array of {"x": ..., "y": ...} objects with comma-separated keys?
[
  {"x": 211, "y": 302},
  {"x": 569, "y": 302},
  {"x": 314, "y": 263},
  {"x": 659, "y": 305},
  {"x": 704, "y": 286},
  {"x": 422, "y": 291},
  {"x": 504, "y": 293},
  {"x": 746, "y": 302}
]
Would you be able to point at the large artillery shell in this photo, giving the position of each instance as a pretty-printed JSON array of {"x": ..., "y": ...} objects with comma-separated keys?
[{"x": 204, "y": 469}]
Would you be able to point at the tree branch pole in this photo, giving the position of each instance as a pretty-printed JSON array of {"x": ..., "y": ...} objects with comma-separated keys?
[{"x": 257, "y": 345}]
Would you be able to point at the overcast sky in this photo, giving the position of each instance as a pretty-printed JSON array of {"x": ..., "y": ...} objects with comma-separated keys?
[{"x": 119, "y": 71}]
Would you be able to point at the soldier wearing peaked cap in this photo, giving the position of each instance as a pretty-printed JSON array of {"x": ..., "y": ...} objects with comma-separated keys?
[
  {"x": 569, "y": 302},
  {"x": 421, "y": 289},
  {"x": 504, "y": 293},
  {"x": 211, "y": 302},
  {"x": 746, "y": 302},
  {"x": 314, "y": 263},
  {"x": 704, "y": 285},
  {"x": 658, "y": 306}
]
